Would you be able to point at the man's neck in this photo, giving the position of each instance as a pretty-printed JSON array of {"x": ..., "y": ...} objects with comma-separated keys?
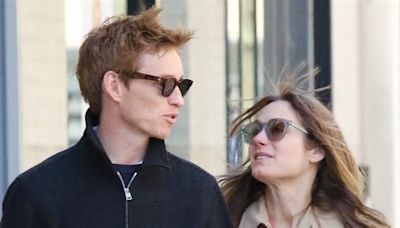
[{"x": 121, "y": 145}]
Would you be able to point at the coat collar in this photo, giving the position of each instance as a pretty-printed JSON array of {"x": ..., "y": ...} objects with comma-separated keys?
[
  {"x": 156, "y": 153},
  {"x": 256, "y": 215}
]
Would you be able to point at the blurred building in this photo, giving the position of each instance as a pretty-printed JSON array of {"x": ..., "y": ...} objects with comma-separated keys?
[{"x": 238, "y": 44}]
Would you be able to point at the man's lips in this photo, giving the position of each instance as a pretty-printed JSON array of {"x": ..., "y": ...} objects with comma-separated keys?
[{"x": 171, "y": 118}]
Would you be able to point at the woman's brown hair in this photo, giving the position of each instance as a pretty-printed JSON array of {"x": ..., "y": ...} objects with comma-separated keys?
[{"x": 339, "y": 182}]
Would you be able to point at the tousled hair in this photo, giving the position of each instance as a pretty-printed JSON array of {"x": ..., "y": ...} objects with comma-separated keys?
[
  {"x": 116, "y": 45},
  {"x": 339, "y": 182}
]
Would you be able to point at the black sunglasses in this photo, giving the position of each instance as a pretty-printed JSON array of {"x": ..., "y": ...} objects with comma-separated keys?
[
  {"x": 168, "y": 83},
  {"x": 275, "y": 129}
]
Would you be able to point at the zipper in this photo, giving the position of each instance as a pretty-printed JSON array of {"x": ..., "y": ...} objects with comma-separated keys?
[{"x": 128, "y": 195}]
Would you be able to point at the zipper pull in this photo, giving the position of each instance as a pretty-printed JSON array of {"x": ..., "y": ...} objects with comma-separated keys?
[{"x": 128, "y": 195}]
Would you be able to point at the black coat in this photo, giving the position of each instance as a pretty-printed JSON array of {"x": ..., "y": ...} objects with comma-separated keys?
[{"x": 78, "y": 188}]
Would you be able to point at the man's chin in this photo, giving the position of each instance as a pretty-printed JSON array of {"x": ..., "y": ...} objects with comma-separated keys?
[{"x": 162, "y": 134}]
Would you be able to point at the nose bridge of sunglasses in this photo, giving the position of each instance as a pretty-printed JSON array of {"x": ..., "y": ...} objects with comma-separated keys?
[
  {"x": 274, "y": 130},
  {"x": 261, "y": 134},
  {"x": 271, "y": 130}
]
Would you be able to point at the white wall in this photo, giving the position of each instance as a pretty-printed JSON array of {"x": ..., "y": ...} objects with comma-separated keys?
[
  {"x": 345, "y": 71},
  {"x": 207, "y": 65},
  {"x": 204, "y": 60},
  {"x": 42, "y": 72},
  {"x": 366, "y": 85}
]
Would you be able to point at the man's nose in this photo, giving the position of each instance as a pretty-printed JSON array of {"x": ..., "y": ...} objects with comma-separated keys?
[{"x": 176, "y": 98}]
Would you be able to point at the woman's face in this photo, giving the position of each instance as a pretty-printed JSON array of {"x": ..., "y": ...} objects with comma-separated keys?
[{"x": 283, "y": 159}]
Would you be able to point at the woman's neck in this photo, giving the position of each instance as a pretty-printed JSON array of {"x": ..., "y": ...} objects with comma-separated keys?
[{"x": 287, "y": 202}]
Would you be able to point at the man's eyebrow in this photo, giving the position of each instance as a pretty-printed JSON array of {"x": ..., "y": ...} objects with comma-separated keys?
[{"x": 170, "y": 75}]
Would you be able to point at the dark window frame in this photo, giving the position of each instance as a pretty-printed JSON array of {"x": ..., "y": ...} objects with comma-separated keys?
[
  {"x": 136, "y": 6},
  {"x": 9, "y": 96},
  {"x": 322, "y": 50}
]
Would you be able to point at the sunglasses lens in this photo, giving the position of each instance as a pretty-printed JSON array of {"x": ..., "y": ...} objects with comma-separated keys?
[
  {"x": 169, "y": 85},
  {"x": 251, "y": 130},
  {"x": 276, "y": 129},
  {"x": 184, "y": 86}
]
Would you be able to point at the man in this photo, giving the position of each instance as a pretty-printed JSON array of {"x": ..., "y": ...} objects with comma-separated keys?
[{"x": 119, "y": 174}]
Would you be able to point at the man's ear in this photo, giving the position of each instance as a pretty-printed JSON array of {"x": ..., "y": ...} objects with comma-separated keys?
[
  {"x": 316, "y": 154},
  {"x": 112, "y": 85}
]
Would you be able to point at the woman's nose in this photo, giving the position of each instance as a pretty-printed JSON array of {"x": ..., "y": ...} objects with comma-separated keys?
[{"x": 261, "y": 138}]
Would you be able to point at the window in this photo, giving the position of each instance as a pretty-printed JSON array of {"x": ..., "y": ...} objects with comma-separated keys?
[{"x": 262, "y": 38}]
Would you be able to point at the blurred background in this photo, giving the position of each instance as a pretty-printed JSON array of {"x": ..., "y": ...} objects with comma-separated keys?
[{"x": 238, "y": 46}]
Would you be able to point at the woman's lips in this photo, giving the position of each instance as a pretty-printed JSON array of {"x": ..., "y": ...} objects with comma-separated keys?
[{"x": 262, "y": 156}]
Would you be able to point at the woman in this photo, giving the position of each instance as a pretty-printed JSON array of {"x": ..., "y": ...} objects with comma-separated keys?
[{"x": 301, "y": 172}]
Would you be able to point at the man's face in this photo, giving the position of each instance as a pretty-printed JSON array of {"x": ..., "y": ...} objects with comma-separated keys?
[{"x": 143, "y": 108}]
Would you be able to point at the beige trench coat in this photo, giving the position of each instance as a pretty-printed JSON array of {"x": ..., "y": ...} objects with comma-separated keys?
[{"x": 256, "y": 216}]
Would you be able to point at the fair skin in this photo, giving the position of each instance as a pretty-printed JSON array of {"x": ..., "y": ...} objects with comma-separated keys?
[
  {"x": 286, "y": 166},
  {"x": 134, "y": 113}
]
